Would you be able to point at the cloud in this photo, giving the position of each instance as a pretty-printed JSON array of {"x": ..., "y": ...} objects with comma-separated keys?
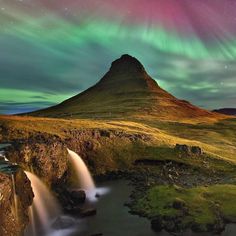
[{"x": 14, "y": 107}]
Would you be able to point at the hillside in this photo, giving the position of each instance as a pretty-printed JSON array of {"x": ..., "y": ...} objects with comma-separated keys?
[{"x": 127, "y": 91}]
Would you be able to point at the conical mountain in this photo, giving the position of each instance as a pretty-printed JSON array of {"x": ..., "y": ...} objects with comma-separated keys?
[{"x": 126, "y": 90}]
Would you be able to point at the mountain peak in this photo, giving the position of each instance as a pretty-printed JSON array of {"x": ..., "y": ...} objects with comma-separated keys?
[
  {"x": 127, "y": 75},
  {"x": 127, "y": 64},
  {"x": 126, "y": 90}
]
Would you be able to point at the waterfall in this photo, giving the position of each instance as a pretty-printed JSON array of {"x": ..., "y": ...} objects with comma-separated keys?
[
  {"x": 45, "y": 207},
  {"x": 84, "y": 177},
  {"x": 15, "y": 198}
]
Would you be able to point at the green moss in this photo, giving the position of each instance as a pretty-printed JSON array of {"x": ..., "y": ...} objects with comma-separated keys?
[{"x": 202, "y": 206}]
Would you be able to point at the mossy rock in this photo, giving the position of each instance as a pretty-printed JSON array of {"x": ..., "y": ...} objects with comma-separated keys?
[{"x": 203, "y": 209}]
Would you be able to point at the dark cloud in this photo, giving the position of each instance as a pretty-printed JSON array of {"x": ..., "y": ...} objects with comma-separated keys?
[{"x": 14, "y": 107}]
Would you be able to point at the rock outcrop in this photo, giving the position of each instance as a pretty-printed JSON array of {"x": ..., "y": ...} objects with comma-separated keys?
[
  {"x": 14, "y": 219},
  {"x": 46, "y": 155},
  {"x": 189, "y": 150}
]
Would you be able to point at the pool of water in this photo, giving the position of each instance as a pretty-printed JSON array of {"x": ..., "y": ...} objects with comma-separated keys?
[
  {"x": 114, "y": 219},
  {"x": 112, "y": 216}
]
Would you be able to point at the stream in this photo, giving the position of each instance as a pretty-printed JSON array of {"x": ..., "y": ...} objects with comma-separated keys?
[{"x": 114, "y": 219}]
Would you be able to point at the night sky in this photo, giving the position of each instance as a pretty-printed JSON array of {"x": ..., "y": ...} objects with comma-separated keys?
[{"x": 53, "y": 49}]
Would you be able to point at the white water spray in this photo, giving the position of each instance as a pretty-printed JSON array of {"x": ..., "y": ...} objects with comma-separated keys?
[
  {"x": 85, "y": 180},
  {"x": 45, "y": 207}
]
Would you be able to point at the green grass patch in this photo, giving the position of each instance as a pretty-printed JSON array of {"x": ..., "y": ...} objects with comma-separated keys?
[{"x": 202, "y": 206}]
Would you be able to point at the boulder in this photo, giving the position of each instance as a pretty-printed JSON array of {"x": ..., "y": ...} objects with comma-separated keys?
[
  {"x": 183, "y": 148},
  {"x": 77, "y": 196},
  {"x": 196, "y": 150},
  {"x": 157, "y": 224},
  {"x": 80, "y": 212},
  {"x": 190, "y": 150},
  {"x": 87, "y": 212}
]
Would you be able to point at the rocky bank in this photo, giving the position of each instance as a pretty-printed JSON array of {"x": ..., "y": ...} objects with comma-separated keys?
[{"x": 46, "y": 155}]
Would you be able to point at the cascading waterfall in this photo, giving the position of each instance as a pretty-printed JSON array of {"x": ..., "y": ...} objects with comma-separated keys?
[
  {"x": 84, "y": 177},
  {"x": 45, "y": 207},
  {"x": 15, "y": 198}
]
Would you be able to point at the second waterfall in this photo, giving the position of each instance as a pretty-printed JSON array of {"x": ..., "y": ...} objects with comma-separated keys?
[{"x": 84, "y": 177}]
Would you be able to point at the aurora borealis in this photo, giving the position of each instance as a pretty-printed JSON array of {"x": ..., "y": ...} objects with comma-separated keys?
[{"x": 53, "y": 49}]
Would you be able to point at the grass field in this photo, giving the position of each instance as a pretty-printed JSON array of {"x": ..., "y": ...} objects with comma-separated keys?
[{"x": 215, "y": 138}]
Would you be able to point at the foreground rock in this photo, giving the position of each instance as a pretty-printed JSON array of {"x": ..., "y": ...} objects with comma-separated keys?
[
  {"x": 71, "y": 198},
  {"x": 77, "y": 196},
  {"x": 14, "y": 220},
  {"x": 45, "y": 153}
]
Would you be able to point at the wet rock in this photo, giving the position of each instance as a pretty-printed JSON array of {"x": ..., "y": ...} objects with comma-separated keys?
[
  {"x": 157, "y": 224},
  {"x": 88, "y": 212},
  {"x": 170, "y": 226},
  {"x": 77, "y": 196},
  {"x": 197, "y": 228},
  {"x": 72, "y": 210},
  {"x": 220, "y": 226},
  {"x": 80, "y": 212}
]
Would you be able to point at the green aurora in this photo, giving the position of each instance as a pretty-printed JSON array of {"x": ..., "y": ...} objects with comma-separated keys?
[{"x": 46, "y": 59}]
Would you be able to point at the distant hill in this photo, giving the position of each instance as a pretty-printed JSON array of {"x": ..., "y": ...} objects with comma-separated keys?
[
  {"x": 126, "y": 90},
  {"x": 226, "y": 111}
]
